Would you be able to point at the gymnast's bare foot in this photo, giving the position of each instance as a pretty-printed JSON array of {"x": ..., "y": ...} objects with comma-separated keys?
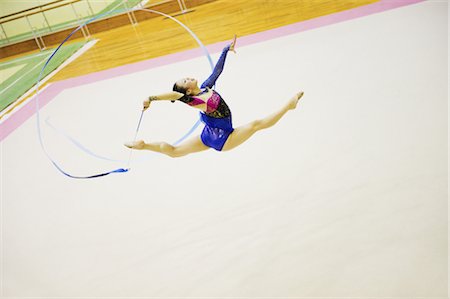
[
  {"x": 294, "y": 100},
  {"x": 136, "y": 144}
]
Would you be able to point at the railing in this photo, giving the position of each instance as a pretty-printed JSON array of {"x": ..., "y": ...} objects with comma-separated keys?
[{"x": 59, "y": 15}]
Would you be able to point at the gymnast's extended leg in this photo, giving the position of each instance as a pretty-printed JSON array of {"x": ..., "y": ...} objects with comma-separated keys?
[
  {"x": 241, "y": 134},
  {"x": 192, "y": 145}
]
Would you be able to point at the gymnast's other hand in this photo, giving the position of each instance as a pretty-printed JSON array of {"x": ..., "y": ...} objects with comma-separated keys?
[{"x": 233, "y": 43}]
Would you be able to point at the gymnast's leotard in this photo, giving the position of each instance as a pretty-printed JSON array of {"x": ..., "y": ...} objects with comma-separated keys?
[{"x": 216, "y": 116}]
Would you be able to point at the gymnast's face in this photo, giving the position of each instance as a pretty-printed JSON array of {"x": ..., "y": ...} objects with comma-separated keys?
[{"x": 190, "y": 84}]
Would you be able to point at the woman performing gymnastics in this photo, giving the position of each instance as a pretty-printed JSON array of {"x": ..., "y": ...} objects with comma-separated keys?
[{"x": 218, "y": 132}]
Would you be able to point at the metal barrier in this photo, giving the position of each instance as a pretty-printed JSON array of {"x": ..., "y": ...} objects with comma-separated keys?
[{"x": 47, "y": 28}]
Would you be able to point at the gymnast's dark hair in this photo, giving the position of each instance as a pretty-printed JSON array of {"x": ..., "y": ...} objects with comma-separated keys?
[{"x": 180, "y": 90}]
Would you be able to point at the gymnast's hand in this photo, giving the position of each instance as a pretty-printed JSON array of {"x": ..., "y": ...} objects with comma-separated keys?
[
  {"x": 233, "y": 43},
  {"x": 146, "y": 104}
]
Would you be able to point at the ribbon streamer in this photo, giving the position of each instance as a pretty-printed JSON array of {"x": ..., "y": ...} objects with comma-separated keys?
[{"x": 75, "y": 142}]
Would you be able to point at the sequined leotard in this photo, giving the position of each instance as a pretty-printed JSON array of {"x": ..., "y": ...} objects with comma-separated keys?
[{"x": 216, "y": 114}]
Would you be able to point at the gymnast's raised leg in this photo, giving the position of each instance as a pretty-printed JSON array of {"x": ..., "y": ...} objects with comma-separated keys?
[{"x": 241, "y": 134}]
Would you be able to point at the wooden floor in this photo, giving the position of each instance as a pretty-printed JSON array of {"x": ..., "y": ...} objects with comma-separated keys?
[{"x": 212, "y": 22}]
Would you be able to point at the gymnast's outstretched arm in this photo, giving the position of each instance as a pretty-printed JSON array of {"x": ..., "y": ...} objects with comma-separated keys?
[
  {"x": 211, "y": 81},
  {"x": 170, "y": 96}
]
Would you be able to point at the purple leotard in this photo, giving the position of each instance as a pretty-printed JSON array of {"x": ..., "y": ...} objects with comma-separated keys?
[{"x": 217, "y": 117}]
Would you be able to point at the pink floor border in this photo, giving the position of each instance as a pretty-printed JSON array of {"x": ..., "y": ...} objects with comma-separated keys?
[{"x": 29, "y": 109}]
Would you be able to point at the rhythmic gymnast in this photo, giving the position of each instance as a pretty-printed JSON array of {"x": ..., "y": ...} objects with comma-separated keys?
[{"x": 218, "y": 132}]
